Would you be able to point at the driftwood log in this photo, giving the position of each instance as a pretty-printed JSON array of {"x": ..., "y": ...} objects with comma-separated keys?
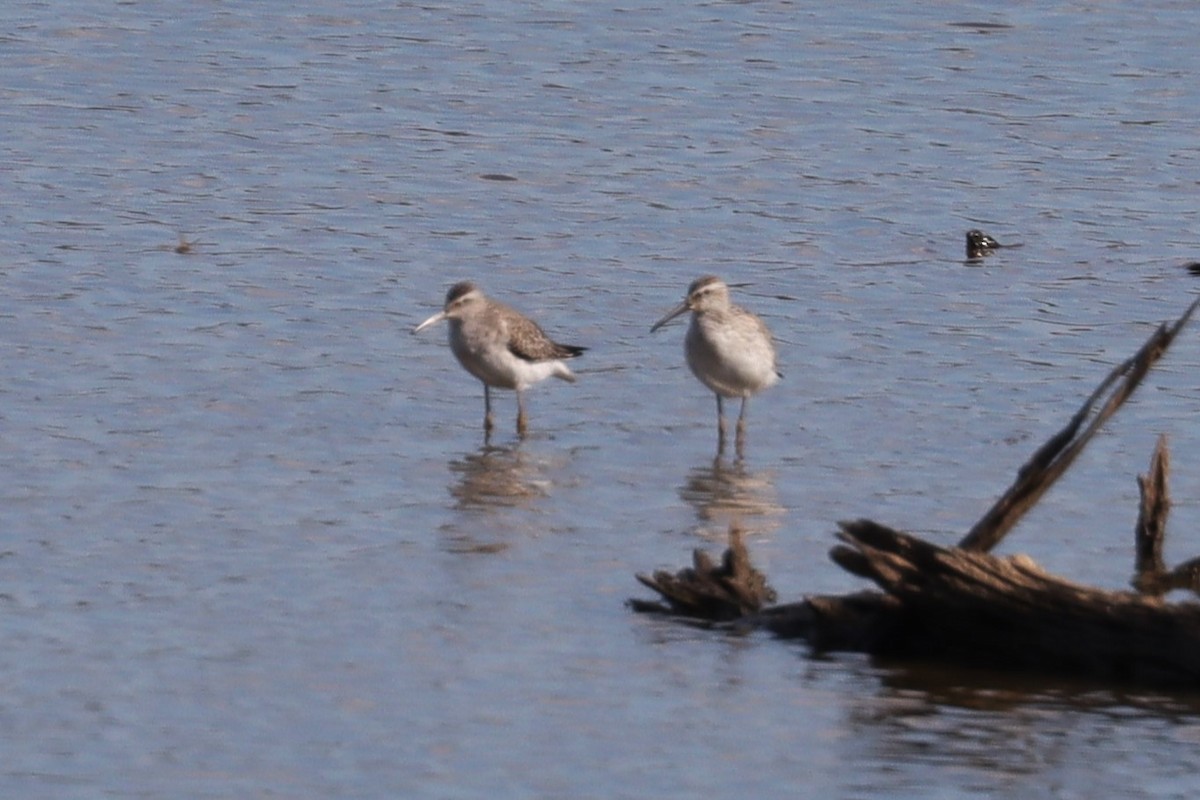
[{"x": 965, "y": 606}]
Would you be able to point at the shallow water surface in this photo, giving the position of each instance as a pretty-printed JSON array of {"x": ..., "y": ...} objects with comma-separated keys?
[{"x": 252, "y": 542}]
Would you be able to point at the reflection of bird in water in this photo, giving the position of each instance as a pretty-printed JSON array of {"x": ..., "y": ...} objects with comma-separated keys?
[
  {"x": 724, "y": 494},
  {"x": 497, "y": 477},
  {"x": 498, "y": 492},
  {"x": 979, "y": 244},
  {"x": 500, "y": 347},
  {"x": 728, "y": 348}
]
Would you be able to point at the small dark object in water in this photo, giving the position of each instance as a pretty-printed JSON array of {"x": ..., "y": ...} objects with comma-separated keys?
[
  {"x": 1193, "y": 267},
  {"x": 979, "y": 244}
]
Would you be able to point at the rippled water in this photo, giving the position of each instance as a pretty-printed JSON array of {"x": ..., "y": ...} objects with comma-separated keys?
[{"x": 250, "y": 541}]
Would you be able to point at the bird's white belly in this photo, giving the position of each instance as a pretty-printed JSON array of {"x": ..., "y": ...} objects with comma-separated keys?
[
  {"x": 489, "y": 359},
  {"x": 731, "y": 366}
]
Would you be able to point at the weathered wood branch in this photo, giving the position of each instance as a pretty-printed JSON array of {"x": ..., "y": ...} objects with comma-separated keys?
[
  {"x": 1053, "y": 458},
  {"x": 708, "y": 590},
  {"x": 964, "y": 605},
  {"x": 1151, "y": 576},
  {"x": 1149, "y": 568}
]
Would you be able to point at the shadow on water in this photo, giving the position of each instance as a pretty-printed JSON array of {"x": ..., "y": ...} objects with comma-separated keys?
[
  {"x": 999, "y": 725},
  {"x": 724, "y": 494},
  {"x": 977, "y": 689}
]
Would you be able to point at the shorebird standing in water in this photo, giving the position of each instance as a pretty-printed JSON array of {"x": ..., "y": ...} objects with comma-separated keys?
[
  {"x": 728, "y": 349},
  {"x": 500, "y": 347}
]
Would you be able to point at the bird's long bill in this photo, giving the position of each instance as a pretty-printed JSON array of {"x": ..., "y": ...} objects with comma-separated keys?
[
  {"x": 682, "y": 308},
  {"x": 436, "y": 318}
]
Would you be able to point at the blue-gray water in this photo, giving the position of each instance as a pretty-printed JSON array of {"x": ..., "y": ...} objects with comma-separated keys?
[{"x": 250, "y": 544}]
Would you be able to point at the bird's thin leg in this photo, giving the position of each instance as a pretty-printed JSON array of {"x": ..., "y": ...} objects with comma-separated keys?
[
  {"x": 489, "y": 422},
  {"x": 522, "y": 419},
  {"x": 720, "y": 426},
  {"x": 741, "y": 429}
]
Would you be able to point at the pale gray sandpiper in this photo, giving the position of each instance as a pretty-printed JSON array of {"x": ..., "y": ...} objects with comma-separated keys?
[
  {"x": 727, "y": 347},
  {"x": 501, "y": 347}
]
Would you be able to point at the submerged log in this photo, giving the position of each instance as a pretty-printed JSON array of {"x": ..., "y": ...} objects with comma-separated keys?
[
  {"x": 975, "y": 608},
  {"x": 965, "y": 606}
]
